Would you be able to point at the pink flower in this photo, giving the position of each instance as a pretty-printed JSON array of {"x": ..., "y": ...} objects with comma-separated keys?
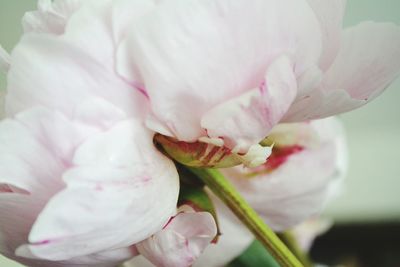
[
  {"x": 305, "y": 169},
  {"x": 80, "y": 180}
]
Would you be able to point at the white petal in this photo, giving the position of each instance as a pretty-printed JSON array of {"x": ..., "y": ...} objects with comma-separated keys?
[
  {"x": 330, "y": 15},
  {"x": 24, "y": 162},
  {"x": 366, "y": 64},
  {"x": 67, "y": 77},
  {"x": 181, "y": 241},
  {"x": 121, "y": 191},
  {"x": 247, "y": 119}
]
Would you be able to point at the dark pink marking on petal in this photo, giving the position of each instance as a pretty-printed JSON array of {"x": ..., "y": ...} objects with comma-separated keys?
[{"x": 280, "y": 155}]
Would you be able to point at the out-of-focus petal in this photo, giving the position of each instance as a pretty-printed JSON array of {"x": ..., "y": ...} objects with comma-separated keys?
[
  {"x": 4, "y": 60},
  {"x": 2, "y": 103},
  {"x": 247, "y": 119},
  {"x": 224, "y": 52},
  {"x": 298, "y": 185},
  {"x": 181, "y": 242},
  {"x": 306, "y": 232},
  {"x": 330, "y": 15},
  {"x": 366, "y": 64},
  {"x": 118, "y": 173},
  {"x": 51, "y": 16}
]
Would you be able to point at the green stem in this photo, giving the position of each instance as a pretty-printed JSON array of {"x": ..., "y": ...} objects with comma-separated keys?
[{"x": 229, "y": 195}]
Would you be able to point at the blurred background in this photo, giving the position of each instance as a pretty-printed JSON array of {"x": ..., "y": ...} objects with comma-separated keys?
[{"x": 367, "y": 214}]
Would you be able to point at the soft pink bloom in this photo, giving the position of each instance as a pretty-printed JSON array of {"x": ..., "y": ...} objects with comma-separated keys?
[
  {"x": 80, "y": 179},
  {"x": 306, "y": 167}
]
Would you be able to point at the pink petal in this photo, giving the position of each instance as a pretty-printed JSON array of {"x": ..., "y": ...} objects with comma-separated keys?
[
  {"x": 181, "y": 241},
  {"x": 366, "y": 64},
  {"x": 224, "y": 53},
  {"x": 330, "y": 15},
  {"x": 67, "y": 78},
  {"x": 301, "y": 185},
  {"x": 247, "y": 119},
  {"x": 18, "y": 213},
  {"x": 118, "y": 173},
  {"x": 24, "y": 162}
]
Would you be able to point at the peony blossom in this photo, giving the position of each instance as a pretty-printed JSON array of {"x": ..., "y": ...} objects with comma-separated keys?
[
  {"x": 305, "y": 169},
  {"x": 91, "y": 82}
]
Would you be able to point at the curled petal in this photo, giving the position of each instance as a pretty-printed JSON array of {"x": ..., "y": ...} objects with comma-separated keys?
[
  {"x": 247, "y": 119},
  {"x": 181, "y": 242}
]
